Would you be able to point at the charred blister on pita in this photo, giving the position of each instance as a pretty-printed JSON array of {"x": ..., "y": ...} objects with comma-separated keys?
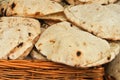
[
  {"x": 20, "y": 45},
  {"x": 52, "y": 41},
  {"x": 37, "y": 13},
  {"x": 71, "y": 25},
  {"x": 29, "y": 34},
  {"x": 13, "y": 5},
  {"x": 39, "y": 44},
  {"x": 2, "y": 11},
  {"x": 83, "y": 22},
  {"x": 108, "y": 58},
  {"x": 84, "y": 43},
  {"x": 78, "y": 53}
]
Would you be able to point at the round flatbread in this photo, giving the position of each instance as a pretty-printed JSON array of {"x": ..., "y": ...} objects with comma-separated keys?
[
  {"x": 102, "y": 21},
  {"x": 99, "y": 1},
  {"x": 65, "y": 43},
  {"x": 76, "y": 2},
  {"x": 32, "y": 8},
  {"x": 114, "y": 50},
  {"x": 17, "y": 36}
]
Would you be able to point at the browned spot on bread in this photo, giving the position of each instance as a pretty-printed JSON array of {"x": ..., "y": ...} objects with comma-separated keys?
[
  {"x": 37, "y": 13},
  {"x": 97, "y": 9},
  {"x": 70, "y": 46},
  {"x": 29, "y": 34},
  {"x": 39, "y": 44},
  {"x": 91, "y": 26},
  {"x": 2, "y": 11},
  {"x": 14, "y": 14},
  {"x": 108, "y": 58},
  {"x": 78, "y": 53},
  {"x": 20, "y": 45},
  {"x": 71, "y": 25},
  {"x": 52, "y": 41},
  {"x": 84, "y": 43},
  {"x": 18, "y": 29},
  {"x": 13, "y": 50},
  {"x": 13, "y": 5},
  {"x": 83, "y": 22}
]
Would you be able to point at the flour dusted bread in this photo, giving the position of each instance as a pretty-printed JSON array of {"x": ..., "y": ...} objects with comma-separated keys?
[
  {"x": 17, "y": 36},
  {"x": 76, "y": 2},
  {"x": 56, "y": 17},
  {"x": 32, "y": 8},
  {"x": 65, "y": 43},
  {"x": 21, "y": 52},
  {"x": 99, "y": 1},
  {"x": 112, "y": 53},
  {"x": 114, "y": 7},
  {"x": 102, "y": 21}
]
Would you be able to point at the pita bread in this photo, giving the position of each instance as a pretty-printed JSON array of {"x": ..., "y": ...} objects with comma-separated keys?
[
  {"x": 21, "y": 53},
  {"x": 102, "y": 21},
  {"x": 65, "y": 43},
  {"x": 113, "y": 68},
  {"x": 17, "y": 36},
  {"x": 36, "y": 55},
  {"x": 55, "y": 17},
  {"x": 73, "y": 2},
  {"x": 57, "y": 0},
  {"x": 32, "y": 8},
  {"x": 99, "y": 1},
  {"x": 114, "y": 8},
  {"x": 76, "y": 2},
  {"x": 112, "y": 53}
]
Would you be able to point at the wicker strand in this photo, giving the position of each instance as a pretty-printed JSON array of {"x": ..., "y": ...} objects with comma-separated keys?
[{"x": 46, "y": 70}]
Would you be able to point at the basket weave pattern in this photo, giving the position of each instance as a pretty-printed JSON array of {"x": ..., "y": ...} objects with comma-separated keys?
[{"x": 46, "y": 70}]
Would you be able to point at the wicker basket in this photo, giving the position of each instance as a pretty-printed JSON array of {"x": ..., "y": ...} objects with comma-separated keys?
[{"x": 46, "y": 70}]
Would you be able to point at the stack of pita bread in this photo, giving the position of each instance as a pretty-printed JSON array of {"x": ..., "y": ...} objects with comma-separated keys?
[
  {"x": 17, "y": 36},
  {"x": 80, "y": 33}
]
